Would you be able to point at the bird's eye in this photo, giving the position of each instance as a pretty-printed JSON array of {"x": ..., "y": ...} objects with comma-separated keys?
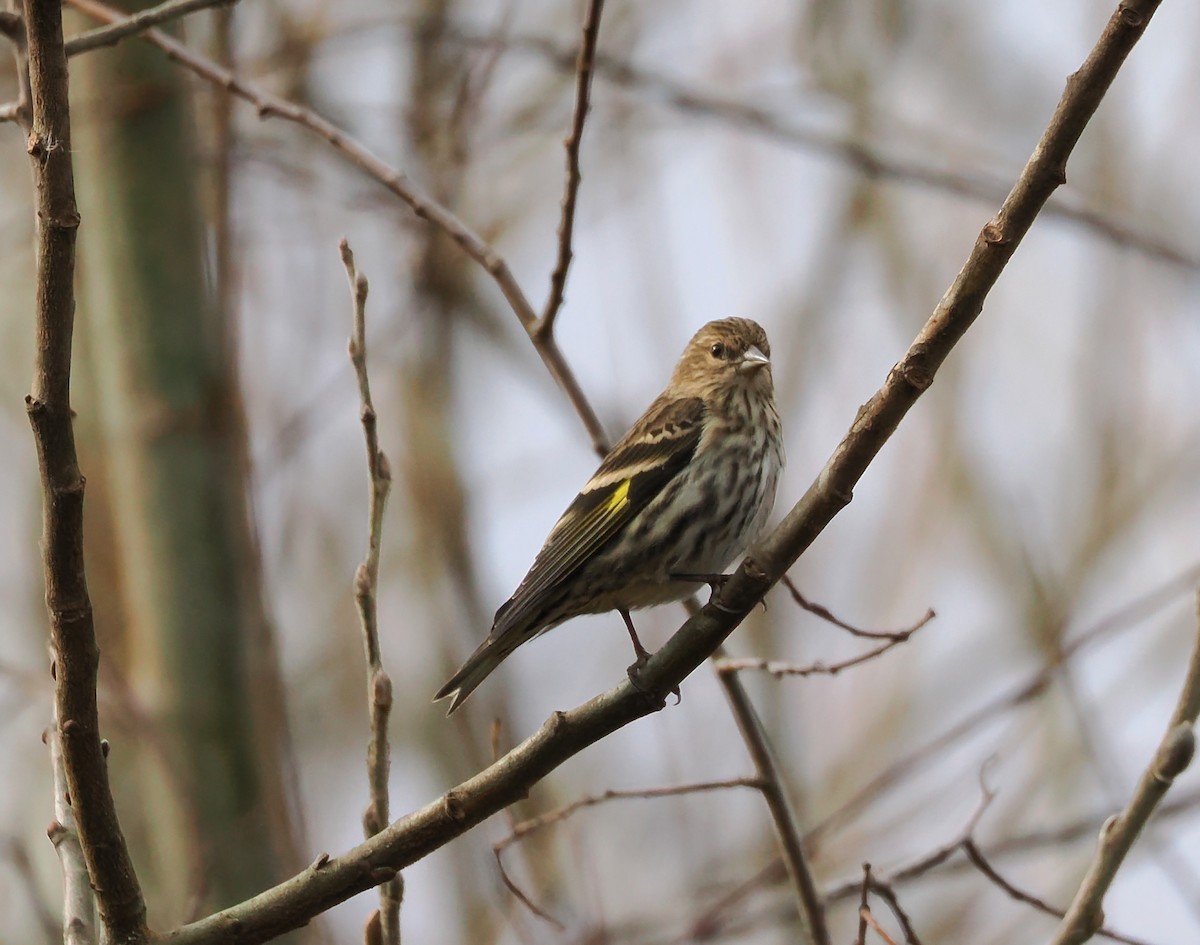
[{"x": 717, "y": 351}]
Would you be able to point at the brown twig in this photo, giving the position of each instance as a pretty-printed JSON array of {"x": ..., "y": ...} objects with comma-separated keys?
[
  {"x": 781, "y": 668},
  {"x": 1119, "y": 832},
  {"x": 976, "y": 858},
  {"x": 888, "y": 895},
  {"x": 868, "y": 919},
  {"x": 366, "y": 583},
  {"x": 863, "y": 905},
  {"x": 421, "y": 204},
  {"x": 72, "y": 632},
  {"x": 584, "y": 68},
  {"x": 518, "y": 831},
  {"x": 138, "y": 23},
  {"x": 566, "y": 733},
  {"x": 809, "y": 905},
  {"x": 820, "y": 610}
]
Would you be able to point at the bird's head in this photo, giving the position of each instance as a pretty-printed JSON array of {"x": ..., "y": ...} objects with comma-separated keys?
[{"x": 725, "y": 354}]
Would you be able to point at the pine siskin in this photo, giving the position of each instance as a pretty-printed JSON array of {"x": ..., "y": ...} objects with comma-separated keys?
[{"x": 684, "y": 491}]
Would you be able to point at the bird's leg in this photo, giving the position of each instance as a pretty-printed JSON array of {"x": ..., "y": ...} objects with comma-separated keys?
[
  {"x": 638, "y": 649},
  {"x": 715, "y": 581},
  {"x": 634, "y": 671}
]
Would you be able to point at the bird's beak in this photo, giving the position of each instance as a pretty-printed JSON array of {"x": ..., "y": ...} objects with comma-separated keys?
[{"x": 752, "y": 360}]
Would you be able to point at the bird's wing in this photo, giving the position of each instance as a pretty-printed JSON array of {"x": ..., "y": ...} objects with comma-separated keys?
[{"x": 636, "y": 470}]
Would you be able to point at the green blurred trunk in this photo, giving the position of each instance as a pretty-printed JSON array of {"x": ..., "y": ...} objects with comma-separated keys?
[{"x": 170, "y": 534}]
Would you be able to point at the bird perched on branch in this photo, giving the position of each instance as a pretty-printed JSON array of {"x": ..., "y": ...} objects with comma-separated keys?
[{"x": 683, "y": 492}]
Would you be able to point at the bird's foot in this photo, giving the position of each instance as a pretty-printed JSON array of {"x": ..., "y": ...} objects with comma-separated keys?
[
  {"x": 634, "y": 671},
  {"x": 714, "y": 581}
]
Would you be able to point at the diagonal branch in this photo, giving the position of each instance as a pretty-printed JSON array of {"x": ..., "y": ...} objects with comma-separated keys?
[
  {"x": 72, "y": 632},
  {"x": 565, "y": 734},
  {"x": 138, "y": 23},
  {"x": 810, "y": 908},
  {"x": 584, "y": 68}
]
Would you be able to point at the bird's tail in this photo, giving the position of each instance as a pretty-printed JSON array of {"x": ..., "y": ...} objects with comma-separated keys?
[{"x": 479, "y": 665}]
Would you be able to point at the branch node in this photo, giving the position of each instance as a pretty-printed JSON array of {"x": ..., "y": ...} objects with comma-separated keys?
[
  {"x": 1177, "y": 751},
  {"x": 1131, "y": 17},
  {"x": 993, "y": 235},
  {"x": 454, "y": 807}
]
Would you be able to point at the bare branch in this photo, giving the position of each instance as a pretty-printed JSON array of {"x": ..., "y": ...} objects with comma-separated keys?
[
  {"x": 977, "y": 859},
  {"x": 826, "y": 614},
  {"x": 863, "y": 906},
  {"x": 366, "y": 584},
  {"x": 888, "y": 895},
  {"x": 1119, "y": 832},
  {"x": 870, "y": 920},
  {"x": 72, "y": 632},
  {"x": 138, "y": 23},
  {"x": 787, "y": 826},
  {"x": 584, "y": 68},
  {"x": 781, "y": 668},
  {"x": 421, "y": 203},
  {"x": 521, "y": 830}
]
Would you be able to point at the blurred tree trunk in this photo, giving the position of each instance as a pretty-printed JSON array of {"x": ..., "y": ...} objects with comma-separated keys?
[{"x": 170, "y": 539}]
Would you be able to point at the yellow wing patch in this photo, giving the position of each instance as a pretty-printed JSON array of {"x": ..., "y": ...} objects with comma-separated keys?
[{"x": 619, "y": 498}]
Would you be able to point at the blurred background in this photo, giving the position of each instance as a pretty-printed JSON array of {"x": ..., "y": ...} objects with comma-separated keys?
[{"x": 820, "y": 167}]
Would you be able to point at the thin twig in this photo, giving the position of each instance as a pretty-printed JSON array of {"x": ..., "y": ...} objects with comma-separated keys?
[
  {"x": 79, "y": 905},
  {"x": 72, "y": 630},
  {"x": 366, "y": 584},
  {"x": 976, "y": 858},
  {"x": 810, "y": 907},
  {"x": 865, "y": 914},
  {"x": 820, "y": 610},
  {"x": 934, "y": 858},
  {"x": 422, "y": 204},
  {"x": 863, "y": 905},
  {"x": 781, "y": 668},
  {"x": 559, "y": 814},
  {"x": 138, "y": 23},
  {"x": 584, "y": 67},
  {"x": 1118, "y": 834},
  {"x": 564, "y": 734},
  {"x": 888, "y": 895},
  {"x": 518, "y": 831}
]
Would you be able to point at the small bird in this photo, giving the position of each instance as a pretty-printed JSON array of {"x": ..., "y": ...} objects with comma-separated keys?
[{"x": 684, "y": 491}]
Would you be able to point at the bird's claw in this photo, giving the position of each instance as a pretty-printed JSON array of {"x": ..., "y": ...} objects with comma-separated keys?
[{"x": 634, "y": 672}]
